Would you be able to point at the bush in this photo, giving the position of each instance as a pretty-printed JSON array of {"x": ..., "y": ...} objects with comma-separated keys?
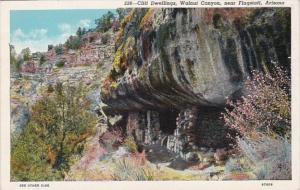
[
  {"x": 238, "y": 165},
  {"x": 58, "y": 128},
  {"x": 60, "y": 64},
  {"x": 26, "y": 54},
  {"x": 130, "y": 144},
  {"x": 266, "y": 107},
  {"x": 105, "y": 22},
  {"x": 80, "y": 32},
  {"x": 29, "y": 158},
  {"x": 59, "y": 50},
  {"x": 126, "y": 170},
  {"x": 271, "y": 157},
  {"x": 42, "y": 59},
  {"x": 50, "y": 88},
  {"x": 105, "y": 38},
  {"x": 14, "y": 65},
  {"x": 74, "y": 42},
  {"x": 262, "y": 119}
]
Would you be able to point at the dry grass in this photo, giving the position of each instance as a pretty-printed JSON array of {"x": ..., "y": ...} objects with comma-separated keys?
[
  {"x": 166, "y": 173},
  {"x": 271, "y": 157},
  {"x": 130, "y": 144},
  {"x": 127, "y": 169},
  {"x": 132, "y": 168}
]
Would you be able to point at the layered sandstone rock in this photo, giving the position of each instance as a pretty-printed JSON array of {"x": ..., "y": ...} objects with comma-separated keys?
[
  {"x": 188, "y": 61},
  {"x": 93, "y": 51},
  {"x": 187, "y": 57}
]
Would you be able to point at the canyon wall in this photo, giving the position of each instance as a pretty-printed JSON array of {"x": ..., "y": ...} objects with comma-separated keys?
[
  {"x": 178, "y": 66},
  {"x": 186, "y": 57}
]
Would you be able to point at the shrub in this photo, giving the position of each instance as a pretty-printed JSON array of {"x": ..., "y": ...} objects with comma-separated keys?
[
  {"x": 26, "y": 54},
  {"x": 105, "y": 22},
  {"x": 262, "y": 119},
  {"x": 13, "y": 59},
  {"x": 60, "y": 64},
  {"x": 42, "y": 59},
  {"x": 129, "y": 171},
  {"x": 29, "y": 158},
  {"x": 271, "y": 157},
  {"x": 266, "y": 107},
  {"x": 105, "y": 38},
  {"x": 74, "y": 42},
  {"x": 128, "y": 18},
  {"x": 118, "y": 63},
  {"x": 50, "y": 88},
  {"x": 58, "y": 128},
  {"x": 237, "y": 165},
  {"x": 130, "y": 144},
  {"x": 124, "y": 55},
  {"x": 80, "y": 32},
  {"x": 59, "y": 49},
  {"x": 121, "y": 13}
]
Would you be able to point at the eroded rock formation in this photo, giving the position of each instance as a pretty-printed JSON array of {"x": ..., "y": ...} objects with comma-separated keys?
[{"x": 174, "y": 68}]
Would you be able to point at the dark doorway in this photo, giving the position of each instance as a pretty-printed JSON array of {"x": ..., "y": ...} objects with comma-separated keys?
[{"x": 167, "y": 121}]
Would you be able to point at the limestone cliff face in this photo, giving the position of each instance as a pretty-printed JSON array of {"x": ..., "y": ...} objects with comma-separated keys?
[
  {"x": 174, "y": 68},
  {"x": 177, "y": 58}
]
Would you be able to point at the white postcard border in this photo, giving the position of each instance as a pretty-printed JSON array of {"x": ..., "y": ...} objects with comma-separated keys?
[{"x": 5, "y": 183}]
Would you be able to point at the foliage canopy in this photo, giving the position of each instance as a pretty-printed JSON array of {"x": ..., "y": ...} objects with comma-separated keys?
[{"x": 59, "y": 125}]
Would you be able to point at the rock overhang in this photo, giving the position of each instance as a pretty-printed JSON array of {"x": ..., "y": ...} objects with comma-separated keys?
[{"x": 191, "y": 57}]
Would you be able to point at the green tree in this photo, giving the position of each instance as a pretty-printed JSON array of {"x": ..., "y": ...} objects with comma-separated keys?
[
  {"x": 42, "y": 59},
  {"x": 59, "y": 49},
  {"x": 74, "y": 42},
  {"x": 29, "y": 158},
  {"x": 105, "y": 22},
  {"x": 14, "y": 64},
  {"x": 121, "y": 13},
  {"x": 79, "y": 32},
  {"x": 59, "y": 125},
  {"x": 84, "y": 31},
  {"x": 26, "y": 54}
]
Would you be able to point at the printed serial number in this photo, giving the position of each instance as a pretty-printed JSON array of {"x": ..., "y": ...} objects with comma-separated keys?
[
  {"x": 128, "y": 3},
  {"x": 267, "y": 184}
]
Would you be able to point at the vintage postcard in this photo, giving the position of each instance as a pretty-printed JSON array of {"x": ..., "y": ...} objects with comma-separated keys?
[{"x": 150, "y": 94}]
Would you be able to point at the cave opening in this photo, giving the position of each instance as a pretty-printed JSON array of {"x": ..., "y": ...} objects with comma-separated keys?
[{"x": 167, "y": 121}]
